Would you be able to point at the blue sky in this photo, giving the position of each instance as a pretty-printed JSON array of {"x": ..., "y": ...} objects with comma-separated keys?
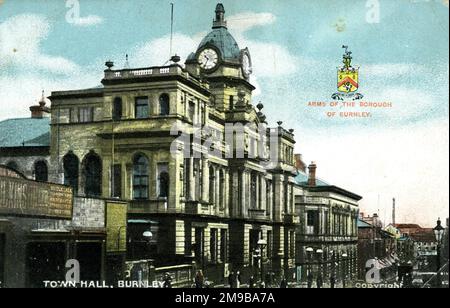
[{"x": 296, "y": 47}]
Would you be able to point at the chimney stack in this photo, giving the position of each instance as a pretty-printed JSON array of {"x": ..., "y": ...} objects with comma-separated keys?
[
  {"x": 299, "y": 163},
  {"x": 312, "y": 174}
]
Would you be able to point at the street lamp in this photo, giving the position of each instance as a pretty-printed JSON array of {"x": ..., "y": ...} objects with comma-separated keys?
[
  {"x": 262, "y": 243},
  {"x": 319, "y": 266},
  {"x": 148, "y": 236},
  {"x": 439, "y": 233},
  {"x": 344, "y": 258},
  {"x": 309, "y": 253}
]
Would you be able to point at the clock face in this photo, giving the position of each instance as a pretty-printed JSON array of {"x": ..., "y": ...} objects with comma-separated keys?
[
  {"x": 246, "y": 64},
  {"x": 208, "y": 59}
]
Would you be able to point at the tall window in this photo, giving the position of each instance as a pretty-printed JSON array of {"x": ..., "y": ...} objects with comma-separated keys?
[
  {"x": 312, "y": 222},
  {"x": 163, "y": 180},
  {"x": 41, "y": 171},
  {"x": 141, "y": 108},
  {"x": 223, "y": 245},
  {"x": 116, "y": 181},
  {"x": 93, "y": 175},
  {"x": 117, "y": 109},
  {"x": 71, "y": 167},
  {"x": 85, "y": 114},
  {"x": 140, "y": 177},
  {"x": 213, "y": 245},
  {"x": 164, "y": 104},
  {"x": 191, "y": 111},
  {"x": 253, "y": 190}
]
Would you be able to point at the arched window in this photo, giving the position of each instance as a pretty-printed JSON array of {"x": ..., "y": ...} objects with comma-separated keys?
[
  {"x": 164, "y": 184},
  {"x": 71, "y": 167},
  {"x": 164, "y": 105},
  {"x": 13, "y": 165},
  {"x": 93, "y": 175},
  {"x": 140, "y": 177},
  {"x": 117, "y": 109},
  {"x": 41, "y": 171}
]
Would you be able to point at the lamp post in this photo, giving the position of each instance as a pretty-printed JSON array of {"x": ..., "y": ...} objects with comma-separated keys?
[
  {"x": 309, "y": 252},
  {"x": 344, "y": 260},
  {"x": 333, "y": 269},
  {"x": 319, "y": 266},
  {"x": 148, "y": 236},
  {"x": 262, "y": 245},
  {"x": 439, "y": 233}
]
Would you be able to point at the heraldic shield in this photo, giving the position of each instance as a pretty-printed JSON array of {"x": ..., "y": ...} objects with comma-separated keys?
[{"x": 348, "y": 80}]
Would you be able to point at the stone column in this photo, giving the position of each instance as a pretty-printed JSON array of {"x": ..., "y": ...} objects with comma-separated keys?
[
  {"x": 243, "y": 194},
  {"x": 227, "y": 193},
  {"x": 205, "y": 179},
  {"x": 217, "y": 190},
  {"x": 258, "y": 196},
  {"x": 191, "y": 178},
  {"x": 263, "y": 193}
]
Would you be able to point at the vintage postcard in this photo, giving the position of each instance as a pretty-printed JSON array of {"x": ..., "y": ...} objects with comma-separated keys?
[{"x": 224, "y": 145}]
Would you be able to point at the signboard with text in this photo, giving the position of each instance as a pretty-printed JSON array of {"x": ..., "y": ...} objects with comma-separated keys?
[{"x": 20, "y": 197}]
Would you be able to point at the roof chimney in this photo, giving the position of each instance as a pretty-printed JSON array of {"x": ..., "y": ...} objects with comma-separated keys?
[
  {"x": 312, "y": 174},
  {"x": 299, "y": 163},
  {"x": 39, "y": 111}
]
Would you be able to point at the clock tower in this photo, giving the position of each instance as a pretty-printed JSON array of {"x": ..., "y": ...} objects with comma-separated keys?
[{"x": 226, "y": 67}]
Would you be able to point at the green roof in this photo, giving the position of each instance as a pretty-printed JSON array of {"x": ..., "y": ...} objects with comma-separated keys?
[
  {"x": 26, "y": 132},
  {"x": 224, "y": 42}
]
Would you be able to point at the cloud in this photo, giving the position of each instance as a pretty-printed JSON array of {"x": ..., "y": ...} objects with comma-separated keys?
[
  {"x": 25, "y": 70},
  {"x": 387, "y": 163},
  {"x": 20, "y": 40},
  {"x": 245, "y": 21}
]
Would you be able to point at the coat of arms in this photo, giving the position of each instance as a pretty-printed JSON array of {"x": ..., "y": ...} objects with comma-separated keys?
[{"x": 348, "y": 79}]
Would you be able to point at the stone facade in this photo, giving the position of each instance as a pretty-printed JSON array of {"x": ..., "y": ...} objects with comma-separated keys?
[{"x": 212, "y": 208}]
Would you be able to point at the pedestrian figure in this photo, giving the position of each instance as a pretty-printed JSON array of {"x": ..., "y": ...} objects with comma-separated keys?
[
  {"x": 199, "y": 280},
  {"x": 310, "y": 280},
  {"x": 231, "y": 280},
  {"x": 319, "y": 282},
  {"x": 238, "y": 280},
  {"x": 283, "y": 283},
  {"x": 251, "y": 282},
  {"x": 332, "y": 281},
  {"x": 267, "y": 279},
  {"x": 167, "y": 281}
]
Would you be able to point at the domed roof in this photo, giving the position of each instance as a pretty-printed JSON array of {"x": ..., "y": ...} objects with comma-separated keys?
[
  {"x": 224, "y": 41},
  {"x": 220, "y": 38}
]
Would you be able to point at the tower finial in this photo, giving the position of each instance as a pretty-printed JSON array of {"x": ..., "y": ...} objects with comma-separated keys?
[
  {"x": 220, "y": 22},
  {"x": 42, "y": 101}
]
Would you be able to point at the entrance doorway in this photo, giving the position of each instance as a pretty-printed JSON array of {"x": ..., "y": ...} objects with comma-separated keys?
[
  {"x": 90, "y": 257},
  {"x": 45, "y": 262}
]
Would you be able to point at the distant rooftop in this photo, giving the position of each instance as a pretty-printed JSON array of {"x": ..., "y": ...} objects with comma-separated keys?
[
  {"x": 25, "y": 132},
  {"x": 302, "y": 179},
  {"x": 363, "y": 224}
]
